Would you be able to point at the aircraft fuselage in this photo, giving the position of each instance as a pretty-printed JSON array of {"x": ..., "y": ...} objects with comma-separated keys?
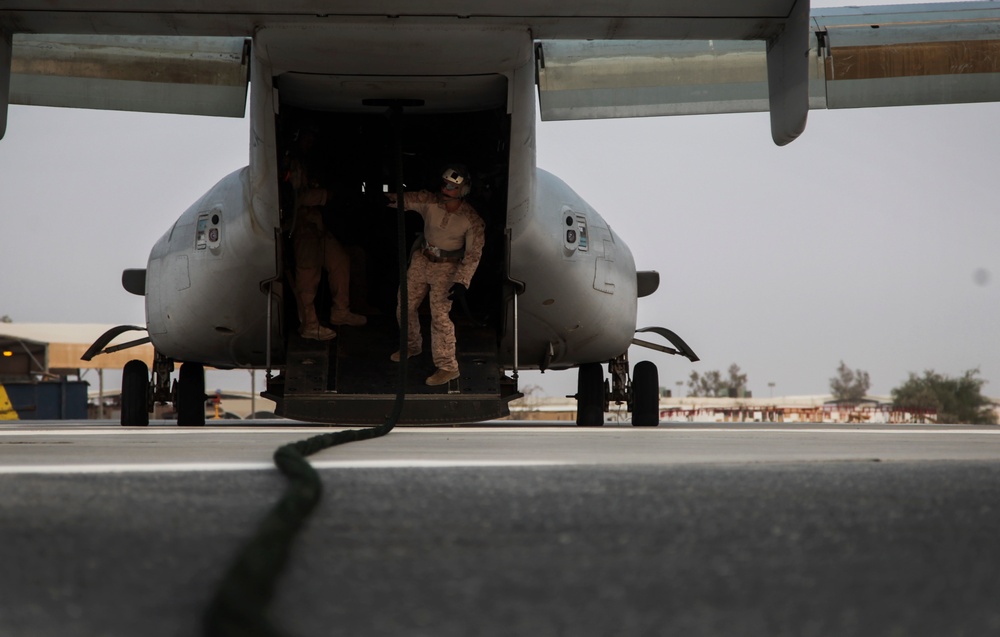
[{"x": 216, "y": 286}]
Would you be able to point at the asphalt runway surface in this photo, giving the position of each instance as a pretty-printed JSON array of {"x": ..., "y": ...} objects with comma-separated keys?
[{"x": 512, "y": 529}]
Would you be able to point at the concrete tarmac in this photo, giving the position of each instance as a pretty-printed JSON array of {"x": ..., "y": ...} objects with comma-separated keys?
[{"x": 513, "y": 529}]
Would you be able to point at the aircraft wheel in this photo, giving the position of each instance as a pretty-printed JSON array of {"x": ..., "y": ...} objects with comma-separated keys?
[
  {"x": 135, "y": 393},
  {"x": 590, "y": 395},
  {"x": 645, "y": 395},
  {"x": 190, "y": 401}
]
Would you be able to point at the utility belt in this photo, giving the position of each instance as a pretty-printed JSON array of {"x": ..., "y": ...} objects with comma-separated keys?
[{"x": 437, "y": 255}]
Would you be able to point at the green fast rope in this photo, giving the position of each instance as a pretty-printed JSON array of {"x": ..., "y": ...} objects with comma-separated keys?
[{"x": 238, "y": 607}]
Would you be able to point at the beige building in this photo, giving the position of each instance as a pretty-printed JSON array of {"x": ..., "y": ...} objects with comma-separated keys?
[
  {"x": 54, "y": 349},
  {"x": 818, "y": 408},
  {"x": 39, "y": 352}
]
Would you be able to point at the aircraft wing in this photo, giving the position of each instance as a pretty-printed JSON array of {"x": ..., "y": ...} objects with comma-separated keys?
[
  {"x": 596, "y": 58},
  {"x": 858, "y": 57},
  {"x": 780, "y": 22},
  {"x": 187, "y": 75}
]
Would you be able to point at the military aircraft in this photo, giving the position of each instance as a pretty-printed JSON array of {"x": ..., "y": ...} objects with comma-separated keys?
[{"x": 396, "y": 90}]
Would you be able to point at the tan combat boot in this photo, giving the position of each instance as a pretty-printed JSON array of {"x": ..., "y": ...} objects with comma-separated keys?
[
  {"x": 346, "y": 317},
  {"x": 410, "y": 354},
  {"x": 442, "y": 376},
  {"x": 317, "y": 332}
]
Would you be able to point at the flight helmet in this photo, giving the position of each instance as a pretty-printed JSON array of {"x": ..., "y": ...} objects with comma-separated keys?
[{"x": 456, "y": 178}]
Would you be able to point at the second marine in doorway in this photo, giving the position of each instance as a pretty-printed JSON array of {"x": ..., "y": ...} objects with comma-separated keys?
[
  {"x": 441, "y": 266},
  {"x": 315, "y": 247}
]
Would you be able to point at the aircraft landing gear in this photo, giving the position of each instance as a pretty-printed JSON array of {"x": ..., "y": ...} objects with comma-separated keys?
[
  {"x": 139, "y": 395},
  {"x": 135, "y": 394},
  {"x": 591, "y": 395},
  {"x": 645, "y": 401},
  {"x": 190, "y": 397},
  {"x": 642, "y": 393}
]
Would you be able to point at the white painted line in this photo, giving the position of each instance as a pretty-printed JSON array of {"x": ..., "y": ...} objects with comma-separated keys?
[
  {"x": 919, "y": 432},
  {"x": 136, "y": 468},
  {"x": 666, "y": 428},
  {"x": 188, "y": 467},
  {"x": 434, "y": 464},
  {"x": 164, "y": 431},
  {"x": 298, "y": 433}
]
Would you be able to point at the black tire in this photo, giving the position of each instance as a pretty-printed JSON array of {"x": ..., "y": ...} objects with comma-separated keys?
[
  {"x": 190, "y": 400},
  {"x": 590, "y": 396},
  {"x": 135, "y": 394},
  {"x": 645, "y": 395}
]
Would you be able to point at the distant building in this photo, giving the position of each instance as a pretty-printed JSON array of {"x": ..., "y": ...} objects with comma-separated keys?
[
  {"x": 818, "y": 408},
  {"x": 41, "y": 370}
]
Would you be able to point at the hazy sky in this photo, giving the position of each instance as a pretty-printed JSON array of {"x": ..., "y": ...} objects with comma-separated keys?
[{"x": 872, "y": 239}]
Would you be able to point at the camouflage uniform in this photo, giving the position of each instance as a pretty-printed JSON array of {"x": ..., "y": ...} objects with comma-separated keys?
[
  {"x": 315, "y": 248},
  {"x": 434, "y": 274}
]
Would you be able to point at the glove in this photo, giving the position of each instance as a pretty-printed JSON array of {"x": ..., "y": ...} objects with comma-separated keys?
[{"x": 457, "y": 292}]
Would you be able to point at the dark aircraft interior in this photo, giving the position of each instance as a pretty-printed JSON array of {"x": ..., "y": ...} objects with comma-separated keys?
[{"x": 355, "y": 157}]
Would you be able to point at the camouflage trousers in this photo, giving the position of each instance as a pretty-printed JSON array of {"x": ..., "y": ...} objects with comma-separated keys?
[
  {"x": 315, "y": 248},
  {"x": 433, "y": 280}
]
